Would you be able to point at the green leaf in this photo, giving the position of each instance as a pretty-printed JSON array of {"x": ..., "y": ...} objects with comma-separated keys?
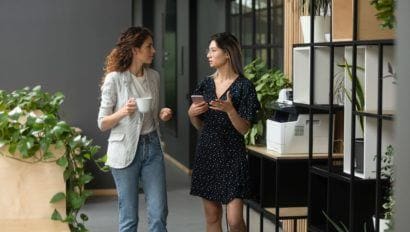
[
  {"x": 15, "y": 113},
  {"x": 84, "y": 179},
  {"x": 12, "y": 148},
  {"x": 59, "y": 144},
  {"x": 87, "y": 156},
  {"x": 62, "y": 162},
  {"x": 259, "y": 87},
  {"x": 70, "y": 219},
  {"x": 67, "y": 174},
  {"x": 57, "y": 197},
  {"x": 48, "y": 155},
  {"x": 75, "y": 200},
  {"x": 84, "y": 217},
  {"x": 37, "y": 88},
  {"x": 87, "y": 193},
  {"x": 2, "y": 142},
  {"x": 102, "y": 159},
  {"x": 337, "y": 227},
  {"x": 56, "y": 216}
]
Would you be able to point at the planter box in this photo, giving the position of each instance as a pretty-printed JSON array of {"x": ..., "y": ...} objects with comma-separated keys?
[
  {"x": 322, "y": 27},
  {"x": 301, "y": 72},
  {"x": 25, "y": 193},
  {"x": 368, "y": 26}
]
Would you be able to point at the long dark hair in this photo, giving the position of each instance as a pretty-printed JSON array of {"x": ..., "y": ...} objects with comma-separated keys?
[
  {"x": 230, "y": 44},
  {"x": 120, "y": 57}
]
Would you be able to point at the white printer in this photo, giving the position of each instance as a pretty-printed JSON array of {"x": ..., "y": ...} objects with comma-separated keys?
[{"x": 287, "y": 131}]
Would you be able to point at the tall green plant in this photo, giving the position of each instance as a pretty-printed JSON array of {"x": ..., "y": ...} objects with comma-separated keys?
[
  {"x": 267, "y": 83},
  {"x": 30, "y": 127},
  {"x": 360, "y": 101}
]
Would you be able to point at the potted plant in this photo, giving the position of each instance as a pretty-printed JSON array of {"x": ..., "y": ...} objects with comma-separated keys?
[
  {"x": 31, "y": 131},
  {"x": 359, "y": 106},
  {"x": 320, "y": 12},
  {"x": 268, "y": 83}
]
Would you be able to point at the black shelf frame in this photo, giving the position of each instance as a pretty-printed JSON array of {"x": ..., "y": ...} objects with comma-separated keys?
[
  {"x": 278, "y": 183},
  {"x": 330, "y": 172},
  {"x": 268, "y": 176}
]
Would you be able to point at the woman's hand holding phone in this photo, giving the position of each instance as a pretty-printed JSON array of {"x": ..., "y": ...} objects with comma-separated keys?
[
  {"x": 197, "y": 98},
  {"x": 198, "y": 106}
]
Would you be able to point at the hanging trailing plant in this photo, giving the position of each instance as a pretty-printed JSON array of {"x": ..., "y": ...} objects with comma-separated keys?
[
  {"x": 385, "y": 12},
  {"x": 31, "y": 131}
]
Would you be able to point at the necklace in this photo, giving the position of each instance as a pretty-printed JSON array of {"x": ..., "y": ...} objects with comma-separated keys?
[{"x": 138, "y": 73}]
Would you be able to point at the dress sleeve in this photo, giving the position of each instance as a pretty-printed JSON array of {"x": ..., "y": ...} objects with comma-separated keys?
[
  {"x": 249, "y": 104},
  {"x": 199, "y": 90}
]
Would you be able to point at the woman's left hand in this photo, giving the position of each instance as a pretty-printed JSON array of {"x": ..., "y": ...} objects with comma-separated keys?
[
  {"x": 165, "y": 114},
  {"x": 221, "y": 105}
]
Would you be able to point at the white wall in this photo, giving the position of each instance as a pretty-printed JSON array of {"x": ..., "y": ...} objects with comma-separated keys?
[
  {"x": 402, "y": 189},
  {"x": 61, "y": 45}
]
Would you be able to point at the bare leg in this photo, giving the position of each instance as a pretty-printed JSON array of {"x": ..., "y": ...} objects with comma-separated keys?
[
  {"x": 213, "y": 215},
  {"x": 235, "y": 216}
]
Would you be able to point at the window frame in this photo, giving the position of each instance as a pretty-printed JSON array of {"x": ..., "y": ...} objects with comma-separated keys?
[{"x": 270, "y": 17}]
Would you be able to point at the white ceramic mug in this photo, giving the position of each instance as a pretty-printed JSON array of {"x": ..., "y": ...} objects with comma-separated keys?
[{"x": 143, "y": 104}]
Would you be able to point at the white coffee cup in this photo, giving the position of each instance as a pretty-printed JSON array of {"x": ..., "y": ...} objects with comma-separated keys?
[{"x": 143, "y": 104}]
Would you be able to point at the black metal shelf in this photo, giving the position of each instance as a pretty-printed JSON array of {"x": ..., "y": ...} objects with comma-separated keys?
[
  {"x": 385, "y": 116},
  {"x": 317, "y": 109},
  {"x": 386, "y": 42},
  {"x": 336, "y": 173},
  {"x": 257, "y": 207},
  {"x": 344, "y": 197}
]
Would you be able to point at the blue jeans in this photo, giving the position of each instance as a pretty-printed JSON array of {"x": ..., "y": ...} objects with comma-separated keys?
[{"x": 149, "y": 169}]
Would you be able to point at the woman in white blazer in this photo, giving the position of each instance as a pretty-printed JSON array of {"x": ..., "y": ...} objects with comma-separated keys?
[{"x": 134, "y": 152}]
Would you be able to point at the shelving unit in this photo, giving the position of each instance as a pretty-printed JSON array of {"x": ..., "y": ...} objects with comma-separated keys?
[
  {"x": 280, "y": 186},
  {"x": 343, "y": 195}
]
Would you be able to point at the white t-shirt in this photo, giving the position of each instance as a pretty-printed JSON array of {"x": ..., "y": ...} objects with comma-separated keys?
[{"x": 148, "y": 124}]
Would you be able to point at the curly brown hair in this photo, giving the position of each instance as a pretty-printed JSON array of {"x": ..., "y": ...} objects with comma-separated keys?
[{"x": 120, "y": 57}]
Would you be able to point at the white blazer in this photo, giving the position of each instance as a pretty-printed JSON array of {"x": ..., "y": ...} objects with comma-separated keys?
[{"x": 118, "y": 87}]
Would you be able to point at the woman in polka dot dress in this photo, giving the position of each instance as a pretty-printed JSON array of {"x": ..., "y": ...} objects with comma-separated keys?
[{"x": 220, "y": 169}]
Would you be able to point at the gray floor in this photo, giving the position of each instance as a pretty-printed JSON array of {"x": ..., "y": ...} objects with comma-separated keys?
[{"x": 185, "y": 211}]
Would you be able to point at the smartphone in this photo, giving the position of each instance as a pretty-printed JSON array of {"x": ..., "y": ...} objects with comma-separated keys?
[{"x": 197, "y": 98}]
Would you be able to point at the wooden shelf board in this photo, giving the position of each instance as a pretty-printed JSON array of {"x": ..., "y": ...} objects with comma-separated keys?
[
  {"x": 289, "y": 211},
  {"x": 272, "y": 154}
]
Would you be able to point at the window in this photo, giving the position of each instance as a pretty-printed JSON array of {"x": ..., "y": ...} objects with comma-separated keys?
[{"x": 258, "y": 24}]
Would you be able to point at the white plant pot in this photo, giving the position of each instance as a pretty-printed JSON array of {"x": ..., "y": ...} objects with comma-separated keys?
[
  {"x": 383, "y": 224},
  {"x": 322, "y": 27}
]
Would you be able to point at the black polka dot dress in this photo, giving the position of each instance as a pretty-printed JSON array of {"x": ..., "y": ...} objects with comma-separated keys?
[{"x": 220, "y": 169}]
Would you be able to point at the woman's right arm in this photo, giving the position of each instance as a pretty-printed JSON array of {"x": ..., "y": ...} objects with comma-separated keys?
[
  {"x": 110, "y": 121},
  {"x": 195, "y": 110},
  {"x": 107, "y": 118}
]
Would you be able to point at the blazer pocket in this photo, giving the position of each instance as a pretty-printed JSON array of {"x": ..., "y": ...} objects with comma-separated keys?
[{"x": 116, "y": 137}]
